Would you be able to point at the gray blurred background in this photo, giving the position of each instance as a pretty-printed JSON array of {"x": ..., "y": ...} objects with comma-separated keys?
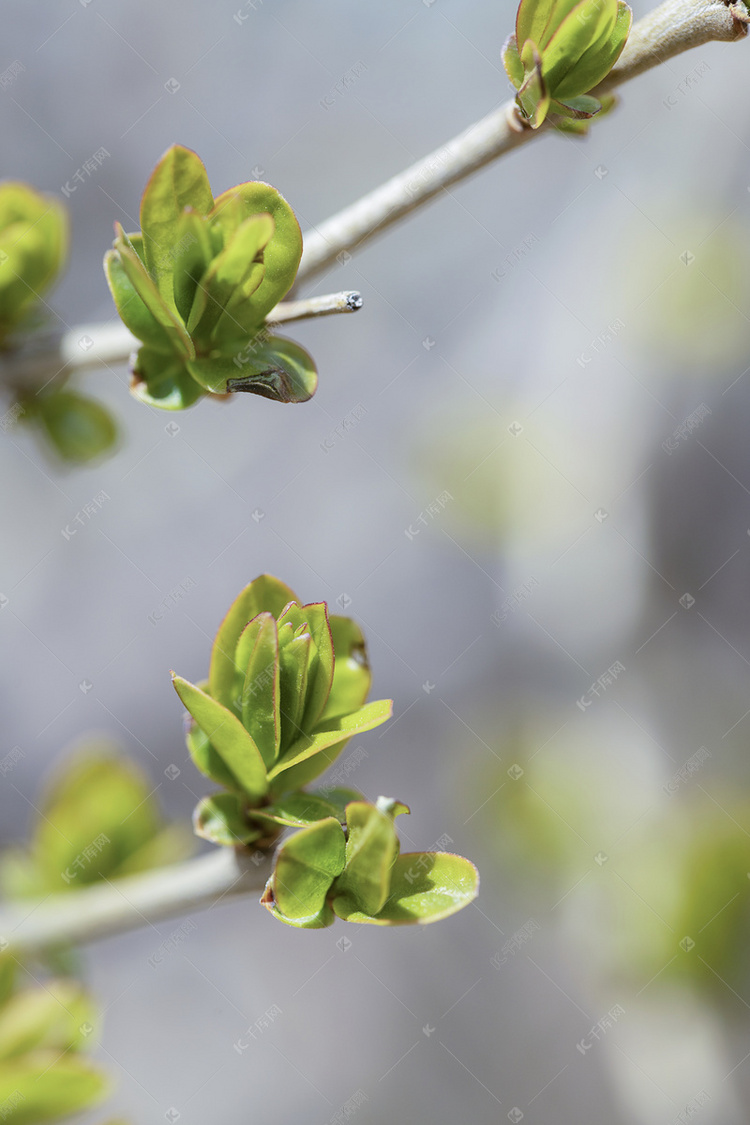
[{"x": 530, "y": 343}]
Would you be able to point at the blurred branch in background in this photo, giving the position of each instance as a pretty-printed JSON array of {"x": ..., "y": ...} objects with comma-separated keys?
[
  {"x": 114, "y": 907},
  {"x": 670, "y": 29},
  {"x": 42, "y": 358}
]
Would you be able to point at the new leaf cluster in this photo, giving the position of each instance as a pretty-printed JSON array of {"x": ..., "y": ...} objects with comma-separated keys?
[
  {"x": 286, "y": 690},
  {"x": 196, "y": 284},
  {"x": 561, "y": 50},
  {"x": 34, "y": 236},
  {"x": 44, "y": 1076}
]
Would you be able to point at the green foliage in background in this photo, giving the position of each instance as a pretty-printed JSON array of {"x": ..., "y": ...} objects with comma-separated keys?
[
  {"x": 98, "y": 819},
  {"x": 34, "y": 234},
  {"x": 286, "y": 691},
  {"x": 196, "y": 284},
  {"x": 77, "y": 428},
  {"x": 561, "y": 50},
  {"x": 652, "y": 877},
  {"x": 33, "y": 251},
  {"x": 43, "y": 1074}
]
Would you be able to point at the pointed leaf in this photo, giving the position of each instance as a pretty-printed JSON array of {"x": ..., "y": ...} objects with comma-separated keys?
[
  {"x": 221, "y": 819},
  {"x": 306, "y": 865},
  {"x": 425, "y": 887},
  {"x": 161, "y": 310},
  {"x": 207, "y": 759},
  {"x": 537, "y": 20},
  {"x": 258, "y": 654},
  {"x": 265, "y": 594},
  {"x": 333, "y": 731},
  {"x": 320, "y": 674},
  {"x": 178, "y": 181},
  {"x": 228, "y": 737},
  {"x": 133, "y": 312},
  {"x": 371, "y": 848},
  {"x": 293, "y": 661},
  {"x": 192, "y": 255}
]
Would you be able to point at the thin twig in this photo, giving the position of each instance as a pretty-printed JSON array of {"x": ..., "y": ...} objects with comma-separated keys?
[
  {"x": 110, "y": 908},
  {"x": 673, "y": 27},
  {"x": 44, "y": 358},
  {"x": 315, "y": 306}
]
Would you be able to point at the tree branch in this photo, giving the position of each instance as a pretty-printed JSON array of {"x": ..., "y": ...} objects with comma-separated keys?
[
  {"x": 673, "y": 27},
  {"x": 111, "y": 908},
  {"x": 44, "y": 357}
]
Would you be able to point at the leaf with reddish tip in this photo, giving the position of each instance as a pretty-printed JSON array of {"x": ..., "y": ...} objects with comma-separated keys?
[
  {"x": 264, "y": 594},
  {"x": 258, "y": 654},
  {"x": 330, "y": 733}
]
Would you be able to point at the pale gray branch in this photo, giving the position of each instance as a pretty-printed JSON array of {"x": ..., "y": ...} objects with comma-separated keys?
[
  {"x": 675, "y": 26},
  {"x": 110, "y": 908},
  {"x": 102, "y": 345}
]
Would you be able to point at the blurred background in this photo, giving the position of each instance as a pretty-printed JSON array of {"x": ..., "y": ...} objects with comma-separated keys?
[{"x": 525, "y": 473}]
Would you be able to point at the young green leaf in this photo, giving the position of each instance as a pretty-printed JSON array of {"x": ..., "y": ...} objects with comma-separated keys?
[
  {"x": 228, "y": 737},
  {"x": 282, "y": 255},
  {"x": 371, "y": 848},
  {"x": 191, "y": 258},
  {"x": 160, "y": 309},
  {"x": 258, "y": 654},
  {"x": 270, "y": 366},
  {"x": 239, "y": 266},
  {"x": 352, "y": 677},
  {"x": 297, "y": 810},
  {"x": 330, "y": 733},
  {"x": 306, "y": 865},
  {"x": 178, "y": 181},
  {"x": 424, "y": 887},
  {"x": 163, "y": 381},
  {"x": 265, "y": 594},
  {"x": 221, "y": 819}
]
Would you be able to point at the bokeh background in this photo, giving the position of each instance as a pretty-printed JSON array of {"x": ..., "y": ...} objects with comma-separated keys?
[{"x": 559, "y": 345}]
